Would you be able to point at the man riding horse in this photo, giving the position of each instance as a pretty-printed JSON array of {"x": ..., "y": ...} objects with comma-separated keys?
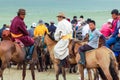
[
  {"x": 62, "y": 34},
  {"x": 18, "y": 31}
]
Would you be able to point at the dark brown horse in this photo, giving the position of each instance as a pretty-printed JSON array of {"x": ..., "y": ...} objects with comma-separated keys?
[
  {"x": 12, "y": 51},
  {"x": 41, "y": 53}
]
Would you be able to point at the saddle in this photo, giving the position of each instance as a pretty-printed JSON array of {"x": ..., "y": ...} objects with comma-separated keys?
[
  {"x": 28, "y": 50},
  {"x": 19, "y": 42}
]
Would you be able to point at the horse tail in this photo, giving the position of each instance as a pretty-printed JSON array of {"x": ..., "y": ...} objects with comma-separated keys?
[
  {"x": 102, "y": 74},
  {"x": 112, "y": 68}
]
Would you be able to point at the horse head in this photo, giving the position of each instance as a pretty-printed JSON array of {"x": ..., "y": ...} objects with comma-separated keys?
[
  {"x": 101, "y": 41},
  {"x": 38, "y": 41}
]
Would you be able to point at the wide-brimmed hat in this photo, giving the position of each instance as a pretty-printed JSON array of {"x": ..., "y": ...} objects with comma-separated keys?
[
  {"x": 21, "y": 11},
  {"x": 61, "y": 14}
]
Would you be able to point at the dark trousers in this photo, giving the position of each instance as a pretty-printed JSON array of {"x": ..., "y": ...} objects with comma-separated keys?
[{"x": 85, "y": 48}]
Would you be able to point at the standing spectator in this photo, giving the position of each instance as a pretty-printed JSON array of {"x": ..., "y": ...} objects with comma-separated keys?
[
  {"x": 52, "y": 27},
  {"x": 1, "y": 30},
  {"x": 31, "y": 30},
  {"x": 106, "y": 28},
  {"x": 47, "y": 24},
  {"x": 74, "y": 19},
  {"x": 86, "y": 28},
  {"x": 81, "y": 20}
]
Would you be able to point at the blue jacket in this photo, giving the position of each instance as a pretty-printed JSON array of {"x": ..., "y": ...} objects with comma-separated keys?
[{"x": 52, "y": 28}]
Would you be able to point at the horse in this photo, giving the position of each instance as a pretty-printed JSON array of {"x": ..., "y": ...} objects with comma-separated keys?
[
  {"x": 12, "y": 51},
  {"x": 50, "y": 42},
  {"x": 94, "y": 59},
  {"x": 101, "y": 58},
  {"x": 42, "y": 53}
]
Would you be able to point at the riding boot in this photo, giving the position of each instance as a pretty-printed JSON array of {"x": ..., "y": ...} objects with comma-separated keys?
[
  {"x": 82, "y": 61},
  {"x": 30, "y": 52}
]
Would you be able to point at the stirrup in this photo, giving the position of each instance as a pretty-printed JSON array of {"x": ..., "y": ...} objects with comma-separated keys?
[
  {"x": 82, "y": 63},
  {"x": 28, "y": 57}
]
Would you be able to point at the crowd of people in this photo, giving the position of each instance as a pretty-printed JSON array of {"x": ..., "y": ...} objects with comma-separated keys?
[{"x": 65, "y": 30}]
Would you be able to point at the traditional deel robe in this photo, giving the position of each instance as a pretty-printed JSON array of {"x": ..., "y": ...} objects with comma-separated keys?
[
  {"x": 18, "y": 31},
  {"x": 62, "y": 34}
]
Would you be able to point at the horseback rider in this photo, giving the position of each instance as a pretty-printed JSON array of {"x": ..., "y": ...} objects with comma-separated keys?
[
  {"x": 40, "y": 29},
  {"x": 115, "y": 26},
  {"x": 18, "y": 31},
  {"x": 62, "y": 34},
  {"x": 94, "y": 35}
]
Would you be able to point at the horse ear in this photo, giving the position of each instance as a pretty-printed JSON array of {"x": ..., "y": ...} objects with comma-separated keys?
[
  {"x": 45, "y": 33},
  {"x": 86, "y": 37}
]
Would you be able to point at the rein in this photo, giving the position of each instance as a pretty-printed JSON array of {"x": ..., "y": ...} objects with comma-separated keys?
[{"x": 73, "y": 47}]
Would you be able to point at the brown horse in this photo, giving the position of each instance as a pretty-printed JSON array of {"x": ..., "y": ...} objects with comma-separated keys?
[
  {"x": 50, "y": 45},
  {"x": 102, "y": 59},
  {"x": 11, "y": 51},
  {"x": 41, "y": 53},
  {"x": 94, "y": 59}
]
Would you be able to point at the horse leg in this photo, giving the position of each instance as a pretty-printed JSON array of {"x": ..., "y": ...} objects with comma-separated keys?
[
  {"x": 38, "y": 66},
  {"x": 74, "y": 69},
  {"x": 24, "y": 70},
  {"x": 89, "y": 74},
  {"x": 19, "y": 66},
  {"x": 1, "y": 75},
  {"x": 70, "y": 69},
  {"x": 56, "y": 71},
  {"x": 1, "y": 78},
  {"x": 40, "y": 61},
  {"x": 96, "y": 74},
  {"x": 63, "y": 73},
  {"x": 81, "y": 70},
  {"x": 3, "y": 65},
  {"x": 32, "y": 71}
]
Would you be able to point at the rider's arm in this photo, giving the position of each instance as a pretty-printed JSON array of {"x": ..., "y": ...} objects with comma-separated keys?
[{"x": 23, "y": 28}]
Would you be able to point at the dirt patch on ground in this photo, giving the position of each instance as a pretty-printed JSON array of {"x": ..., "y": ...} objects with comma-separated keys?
[{"x": 14, "y": 74}]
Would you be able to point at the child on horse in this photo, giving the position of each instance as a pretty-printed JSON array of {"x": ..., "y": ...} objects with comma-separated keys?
[{"x": 94, "y": 35}]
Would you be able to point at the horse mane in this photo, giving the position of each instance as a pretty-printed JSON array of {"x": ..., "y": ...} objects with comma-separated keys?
[
  {"x": 75, "y": 44},
  {"x": 51, "y": 36}
]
